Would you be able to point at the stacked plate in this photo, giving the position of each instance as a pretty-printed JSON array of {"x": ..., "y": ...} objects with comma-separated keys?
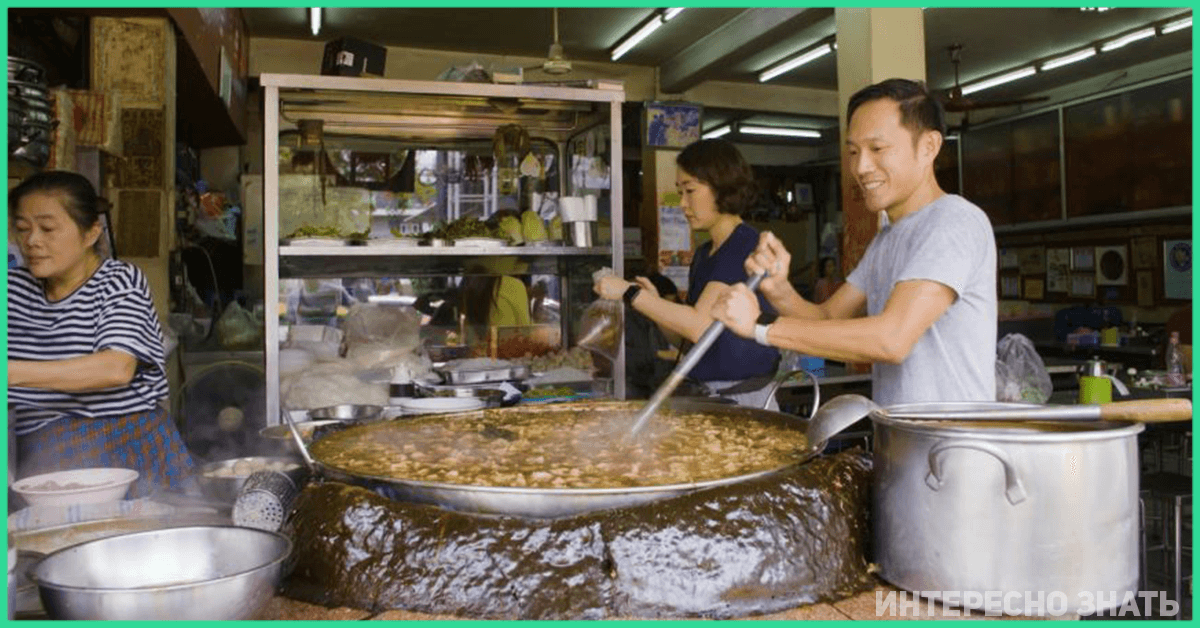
[{"x": 30, "y": 112}]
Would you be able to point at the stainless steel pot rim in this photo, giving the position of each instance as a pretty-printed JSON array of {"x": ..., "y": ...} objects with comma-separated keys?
[
  {"x": 288, "y": 546},
  {"x": 570, "y": 492},
  {"x": 684, "y": 405},
  {"x": 1072, "y": 431}
]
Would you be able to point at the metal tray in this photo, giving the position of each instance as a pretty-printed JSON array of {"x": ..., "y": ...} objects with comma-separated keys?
[{"x": 483, "y": 376}]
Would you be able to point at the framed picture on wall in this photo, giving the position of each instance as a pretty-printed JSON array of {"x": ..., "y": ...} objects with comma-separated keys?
[
  {"x": 1145, "y": 288},
  {"x": 1010, "y": 287},
  {"x": 1144, "y": 252},
  {"x": 1034, "y": 288},
  {"x": 1009, "y": 259},
  {"x": 1083, "y": 285},
  {"x": 1058, "y": 269},
  {"x": 1177, "y": 269},
  {"x": 1032, "y": 260},
  {"x": 1083, "y": 258}
]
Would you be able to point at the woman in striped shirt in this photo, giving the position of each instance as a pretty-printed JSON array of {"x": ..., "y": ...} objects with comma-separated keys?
[{"x": 86, "y": 375}]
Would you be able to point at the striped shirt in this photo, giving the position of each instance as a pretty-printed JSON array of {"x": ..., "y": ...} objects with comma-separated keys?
[{"x": 111, "y": 310}]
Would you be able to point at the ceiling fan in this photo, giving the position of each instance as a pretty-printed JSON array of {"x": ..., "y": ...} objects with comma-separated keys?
[
  {"x": 555, "y": 64},
  {"x": 955, "y": 102}
]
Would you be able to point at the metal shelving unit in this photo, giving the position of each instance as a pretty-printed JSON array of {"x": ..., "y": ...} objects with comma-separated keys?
[{"x": 444, "y": 113}]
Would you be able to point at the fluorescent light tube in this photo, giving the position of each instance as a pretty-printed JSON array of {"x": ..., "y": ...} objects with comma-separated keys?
[
  {"x": 633, "y": 39},
  {"x": 1127, "y": 39},
  {"x": 717, "y": 132},
  {"x": 781, "y": 131},
  {"x": 1078, "y": 55},
  {"x": 670, "y": 13},
  {"x": 314, "y": 20},
  {"x": 792, "y": 64},
  {"x": 999, "y": 80},
  {"x": 1171, "y": 27}
]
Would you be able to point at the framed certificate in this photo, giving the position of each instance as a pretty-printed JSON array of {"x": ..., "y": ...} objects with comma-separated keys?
[{"x": 1083, "y": 258}]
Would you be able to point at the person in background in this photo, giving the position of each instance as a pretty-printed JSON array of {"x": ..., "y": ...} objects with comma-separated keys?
[
  {"x": 716, "y": 186},
  {"x": 491, "y": 296},
  {"x": 828, "y": 280},
  {"x": 921, "y": 305},
  {"x": 86, "y": 376},
  {"x": 644, "y": 369}
]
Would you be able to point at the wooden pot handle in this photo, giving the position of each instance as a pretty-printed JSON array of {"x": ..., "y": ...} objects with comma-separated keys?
[{"x": 1148, "y": 410}]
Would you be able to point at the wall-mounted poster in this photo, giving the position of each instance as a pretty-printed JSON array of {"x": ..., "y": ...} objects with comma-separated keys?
[
  {"x": 1143, "y": 252},
  {"x": 1010, "y": 287},
  {"x": 1145, "y": 288},
  {"x": 1058, "y": 270},
  {"x": 1034, "y": 288},
  {"x": 672, "y": 125},
  {"x": 1032, "y": 260},
  {"x": 1083, "y": 285},
  {"x": 1008, "y": 258},
  {"x": 1083, "y": 258},
  {"x": 1177, "y": 269}
]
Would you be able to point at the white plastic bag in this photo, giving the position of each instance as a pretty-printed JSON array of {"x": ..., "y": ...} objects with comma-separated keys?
[{"x": 1020, "y": 372}]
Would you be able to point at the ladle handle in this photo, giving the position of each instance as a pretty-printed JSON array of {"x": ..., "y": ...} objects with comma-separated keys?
[
  {"x": 308, "y": 460},
  {"x": 1147, "y": 410},
  {"x": 685, "y": 365}
]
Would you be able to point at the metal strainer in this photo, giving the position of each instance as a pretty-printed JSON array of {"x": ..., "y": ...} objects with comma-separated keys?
[{"x": 264, "y": 500}]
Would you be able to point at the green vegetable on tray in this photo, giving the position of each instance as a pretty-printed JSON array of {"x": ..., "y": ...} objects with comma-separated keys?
[
  {"x": 469, "y": 227},
  {"x": 543, "y": 392},
  {"x": 309, "y": 231}
]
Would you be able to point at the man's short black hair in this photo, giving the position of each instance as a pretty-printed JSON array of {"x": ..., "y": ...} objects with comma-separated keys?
[{"x": 919, "y": 110}]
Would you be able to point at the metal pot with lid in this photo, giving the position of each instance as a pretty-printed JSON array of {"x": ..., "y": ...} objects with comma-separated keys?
[{"x": 1019, "y": 517}]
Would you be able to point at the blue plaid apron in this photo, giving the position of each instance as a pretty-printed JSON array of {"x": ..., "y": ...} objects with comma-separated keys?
[{"x": 147, "y": 442}]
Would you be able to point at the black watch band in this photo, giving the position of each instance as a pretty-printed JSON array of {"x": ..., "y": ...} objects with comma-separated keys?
[
  {"x": 766, "y": 318},
  {"x": 630, "y": 294}
]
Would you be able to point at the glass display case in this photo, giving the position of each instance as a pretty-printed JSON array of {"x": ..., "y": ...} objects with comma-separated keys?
[{"x": 391, "y": 191}]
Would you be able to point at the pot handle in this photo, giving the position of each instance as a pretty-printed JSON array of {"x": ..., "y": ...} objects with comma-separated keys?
[{"x": 1014, "y": 489}]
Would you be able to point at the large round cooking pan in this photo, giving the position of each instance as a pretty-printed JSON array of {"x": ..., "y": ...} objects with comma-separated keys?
[{"x": 560, "y": 502}]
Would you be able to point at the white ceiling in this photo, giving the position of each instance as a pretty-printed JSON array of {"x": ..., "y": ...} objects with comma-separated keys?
[{"x": 735, "y": 44}]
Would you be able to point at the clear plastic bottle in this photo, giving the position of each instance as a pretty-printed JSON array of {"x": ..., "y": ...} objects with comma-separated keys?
[{"x": 1175, "y": 376}]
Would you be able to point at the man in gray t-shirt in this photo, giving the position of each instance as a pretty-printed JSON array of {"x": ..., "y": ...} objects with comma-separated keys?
[{"x": 921, "y": 305}]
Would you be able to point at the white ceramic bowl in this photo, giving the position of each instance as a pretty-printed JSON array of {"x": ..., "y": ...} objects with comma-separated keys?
[
  {"x": 77, "y": 486},
  {"x": 430, "y": 405}
]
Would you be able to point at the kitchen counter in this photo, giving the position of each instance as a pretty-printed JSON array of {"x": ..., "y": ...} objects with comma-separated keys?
[{"x": 856, "y": 607}]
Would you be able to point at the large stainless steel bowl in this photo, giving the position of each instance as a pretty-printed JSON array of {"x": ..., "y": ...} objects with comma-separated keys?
[{"x": 190, "y": 573}]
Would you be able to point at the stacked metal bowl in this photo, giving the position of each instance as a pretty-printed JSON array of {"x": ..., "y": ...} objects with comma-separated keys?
[{"x": 31, "y": 118}]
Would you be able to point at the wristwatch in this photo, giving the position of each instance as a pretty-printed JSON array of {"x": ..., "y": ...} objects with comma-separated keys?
[
  {"x": 763, "y": 324},
  {"x": 630, "y": 294}
]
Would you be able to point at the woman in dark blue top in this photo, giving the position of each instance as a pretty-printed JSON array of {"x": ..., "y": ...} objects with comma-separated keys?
[{"x": 716, "y": 186}]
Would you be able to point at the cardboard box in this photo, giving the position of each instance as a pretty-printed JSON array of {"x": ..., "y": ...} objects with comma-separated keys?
[{"x": 353, "y": 57}]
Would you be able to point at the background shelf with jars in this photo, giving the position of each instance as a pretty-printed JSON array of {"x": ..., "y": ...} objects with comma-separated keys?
[{"x": 392, "y": 192}]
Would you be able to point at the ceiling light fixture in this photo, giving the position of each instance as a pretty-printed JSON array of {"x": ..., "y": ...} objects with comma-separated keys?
[
  {"x": 1177, "y": 25},
  {"x": 670, "y": 13},
  {"x": 638, "y": 36},
  {"x": 717, "y": 132},
  {"x": 795, "y": 62},
  {"x": 999, "y": 80},
  {"x": 314, "y": 20},
  {"x": 780, "y": 131},
  {"x": 1068, "y": 59},
  {"x": 1127, "y": 39}
]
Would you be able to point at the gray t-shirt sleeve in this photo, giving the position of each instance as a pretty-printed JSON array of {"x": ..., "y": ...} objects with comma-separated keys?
[{"x": 947, "y": 254}]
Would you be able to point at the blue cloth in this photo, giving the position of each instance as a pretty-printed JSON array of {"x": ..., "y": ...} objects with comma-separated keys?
[{"x": 731, "y": 357}]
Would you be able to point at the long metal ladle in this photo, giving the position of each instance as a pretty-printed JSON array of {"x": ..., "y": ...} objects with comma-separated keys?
[{"x": 685, "y": 366}]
